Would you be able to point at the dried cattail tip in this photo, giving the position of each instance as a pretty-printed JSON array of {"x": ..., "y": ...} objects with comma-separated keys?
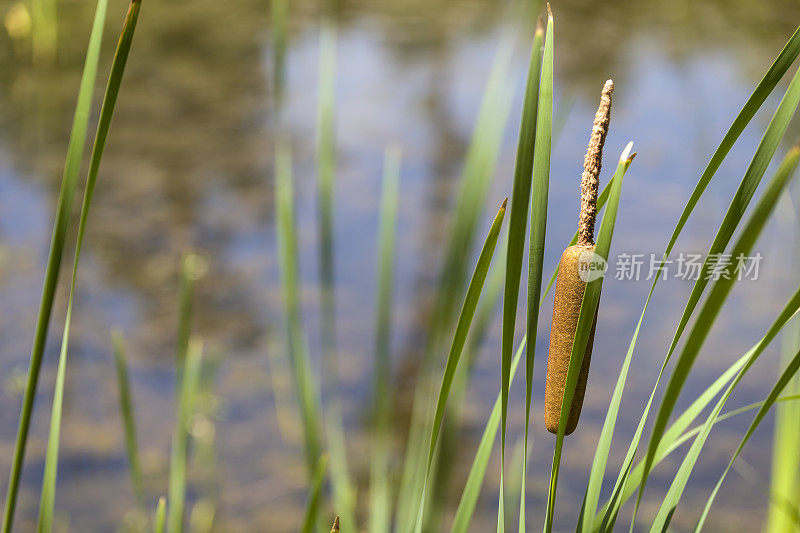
[
  {"x": 571, "y": 284},
  {"x": 591, "y": 167}
]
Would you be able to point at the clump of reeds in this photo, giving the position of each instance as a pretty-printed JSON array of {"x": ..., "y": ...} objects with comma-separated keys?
[
  {"x": 414, "y": 507},
  {"x": 572, "y": 280}
]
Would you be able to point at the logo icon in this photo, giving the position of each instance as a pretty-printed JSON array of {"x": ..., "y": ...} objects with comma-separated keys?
[{"x": 591, "y": 266}]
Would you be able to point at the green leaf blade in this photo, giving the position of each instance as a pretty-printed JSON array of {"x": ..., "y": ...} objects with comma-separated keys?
[
  {"x": 314, "y": 494},
  {"x": 540, "y": 187},
  {"x": 764, "y": 153},
  {"x": 518, "y": 220},
  {"x": 459, "y": 340}
]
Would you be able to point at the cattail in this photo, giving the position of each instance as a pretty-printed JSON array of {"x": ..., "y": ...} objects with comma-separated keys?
[{"x": 570, "y": 285}]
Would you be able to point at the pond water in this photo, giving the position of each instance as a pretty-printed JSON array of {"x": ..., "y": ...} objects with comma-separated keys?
[{"x": 188, "y": 166}]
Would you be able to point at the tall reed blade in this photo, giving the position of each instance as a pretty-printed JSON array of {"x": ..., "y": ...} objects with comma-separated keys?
[
  {"x": 305, "y": 385},
  {"x": 128, "y": 417},
  {"x": 477, "y": 174},
  {"x": 104, "y": 124},
  {"x": 677, "y": 433},
  {"x": 160, "y": 518},
  {"x": 513, "y": 501},
  {"x": 741, "y": 249},
  {"x": 758, "y": 166},
  {"x": 69, "y": 182},
  {"x": 459, "y": 339},
  {"x": 314, "y": 494},
  {"x": 518, "y": 221},
  {"x": 452, "y": 434},
  {"x": 518, "y": 214},
  {"x": 472, "y": 488},
  {"x": 386, "y": 258},
  {"x": 343, "y": 490},
  {"x": 476, "y": 177},
  {"x": 680, "y": 440},
  {"x": 181, "y": 437},
  {"x": 279, "y": 15},
  {"x": 188, "y": 274},
  {"x": 788, "y": 374},
  {"x": 326, "y": 174},
  {"x": 61, "y": 223},
  {"x": 680, "y": 479},
  {"x": 541, "y": 185},
  {"x": 380, "y": 490},
  {"x": 785, "y": 478}
]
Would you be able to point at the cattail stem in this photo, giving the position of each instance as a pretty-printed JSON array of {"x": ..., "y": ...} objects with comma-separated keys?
[{"x": 591, "y": 168}]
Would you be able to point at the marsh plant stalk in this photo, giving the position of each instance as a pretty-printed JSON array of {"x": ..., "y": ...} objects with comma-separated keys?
[{"x": 570, "y": 286}]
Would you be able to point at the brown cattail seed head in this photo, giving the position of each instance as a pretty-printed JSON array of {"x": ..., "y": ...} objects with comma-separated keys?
[
  {"x": 591, "y": 167},
  {"x": 571, "y": 286},
  {"x": 566, "y": 310}
]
